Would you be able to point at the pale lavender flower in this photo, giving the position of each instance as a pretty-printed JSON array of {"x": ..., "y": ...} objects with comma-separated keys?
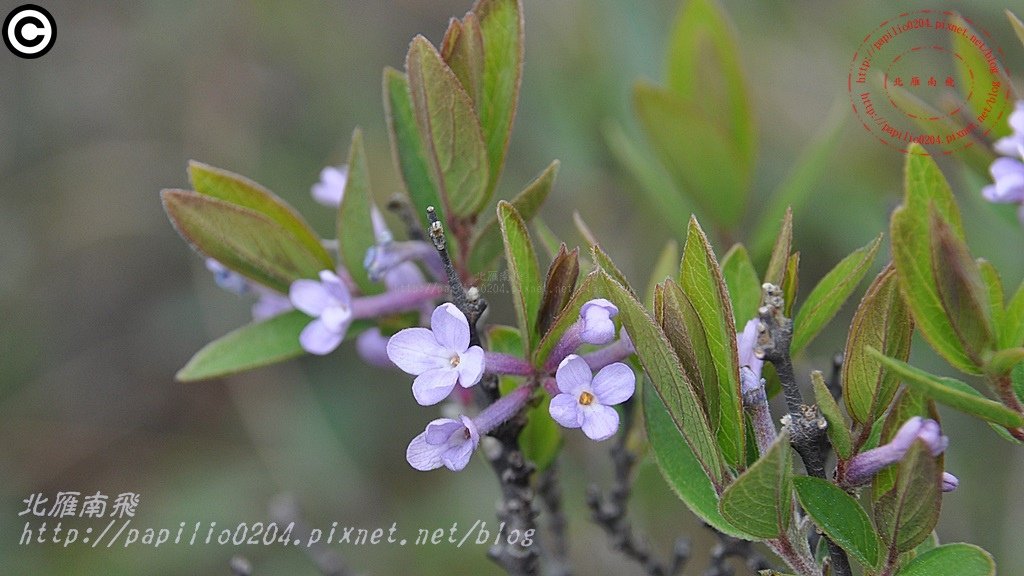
[
  {"x": 450, "y": 443},
  {"x": 270, "y": 304},
  {"x": 595, "y": 326},
  {"x": 445, "y": 442},
  {"x": 1008, "y": 186},
  {"x": 330, "y": 304},
  {"x": 439, "y": 357},
  {"x": 227, "y": 279},
  {"x": 863, "y": 467},
  {"x": 330, "y": 190},
  {"x": 1010, "y": 145},
  {"x": 750, "y": 364},
  {"x": 585, "y": 400}
]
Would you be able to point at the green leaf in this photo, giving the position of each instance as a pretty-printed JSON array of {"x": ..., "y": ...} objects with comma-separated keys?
[
  {"x": 558, "y": 287},
  {"x": 662, "y": 366},
  {"x": 776, "y": 271},
  {"x": 957, "y": 559},
  {"x": 743, "y": 283},
  {"x": 448, "y": 124},
  {"x": 273, "y": 340},
  {"x": 906, "y": 515},
  {"x": 702, "y": 282},
  {"x": 501, "y": 23},
  {"x": 883, "y": 322},
  {"x": 792, "y": 282},
  {"x": 1018, "y": 26},
  {"x": 803, "y": 178},
  {"x": 242, "y": 239},
  {"x": 523, "y": 272},
  {"x": 664, "y": 267},
  {"x": 704, "y": 70},
  {"x": 541, "y": 438},
  {"x": 840, "y": 517},
  {"x": 239, "y": 190},
  {"x": 761, "y": 499},
  {"x": 653, "y": 178},
  {"x": 699, "y": 155},
  {"x": 407, "y": 147},
  {"x": 463, "y": 50},
  {"x": 487, "y": 243},
  {"x": 831, "y": 293},
  {"x": 963, "y": 294},
  {"x": 975, "y": 77},
  {"x": 680, "y": 468},
  {"x": 838, "y": 431},
  {"x": 1002, "y": 362},
  {"x": 1011, "y": 332},
  {"x": 951, "y": 392},
  {"x": 355, "y": 224},
  {"x": 912, "y": 255},
  {"x": 996, "y": 299},
  {"x": 679, "y": 320}
]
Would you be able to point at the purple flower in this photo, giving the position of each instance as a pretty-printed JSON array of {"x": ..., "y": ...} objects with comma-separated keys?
[
  {"x": 1008, "y": 188},
  {"x": 227, "y": 279},
  {"x": 585, "y": 400},
  {"x": 270, "y": 304},
  {"x": 750, "y": 364},
  {"x": 330, "y": 304},
  {"x": 949, "y": 482},
  {"x": 1011, "y": 145},
  {"x": 439, "y": 357},
  {"x": 596, "y": 316},
  {"x": 862, "y": 467},
  {"x": 331, "y": 188},
  {"x": 445, "y": 442}
]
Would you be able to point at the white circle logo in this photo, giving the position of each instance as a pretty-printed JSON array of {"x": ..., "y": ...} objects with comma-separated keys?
[{"x": 29, "y": 31}]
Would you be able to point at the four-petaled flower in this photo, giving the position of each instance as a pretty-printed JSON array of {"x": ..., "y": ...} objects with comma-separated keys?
[
  {"x": 439, "y": 357},
  {"x": 445, "y": 442},
  {"x": 585, "y": 400},
  {"x": 330, "y": 304}
]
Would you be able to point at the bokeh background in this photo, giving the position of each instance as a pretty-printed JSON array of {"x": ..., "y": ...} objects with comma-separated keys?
[{"x": 100, "y": 301}]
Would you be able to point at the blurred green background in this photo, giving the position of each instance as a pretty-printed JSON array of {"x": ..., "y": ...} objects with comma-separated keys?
[{"x": 101, "y": 302}]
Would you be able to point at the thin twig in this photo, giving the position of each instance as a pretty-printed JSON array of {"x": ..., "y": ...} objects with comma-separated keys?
[
  {"x": 550, "y": 491},
  {"x": 610, "y": 511},
  {"x": 399, "y": 206},
  {"x": 806, "y": 425}
]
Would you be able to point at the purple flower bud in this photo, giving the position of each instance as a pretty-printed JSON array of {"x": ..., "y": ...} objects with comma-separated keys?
[
  {"x": 949, "y": 482},
  {"x": 598, "y": 326},
  {"x": 330, "y": 190},
  {"x": 750, "y": 364},
  {"x": 330, "y": 304},
  {"x": 862, "y": 467},
  {"x": 585, "y": 400},
  {"x": 439, "y": 357}
]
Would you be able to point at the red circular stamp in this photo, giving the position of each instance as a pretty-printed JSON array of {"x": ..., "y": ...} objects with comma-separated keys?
[{"x": 929, "y": 77}]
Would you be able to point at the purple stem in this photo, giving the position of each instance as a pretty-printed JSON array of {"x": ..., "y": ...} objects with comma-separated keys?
[
  {"x": 395, "y": 301},
  {"x": 756, "y": 403},
  {"x": 502, "y": 409},
  {"x": 615, "y": 352},
  {"x": 570, "y": 342},
  {"x": 498, "y": 363}
]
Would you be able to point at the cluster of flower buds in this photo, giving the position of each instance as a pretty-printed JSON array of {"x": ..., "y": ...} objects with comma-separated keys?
[
  {"x": 442, "y": 358},
  {"x": 1008, "y": 170}
]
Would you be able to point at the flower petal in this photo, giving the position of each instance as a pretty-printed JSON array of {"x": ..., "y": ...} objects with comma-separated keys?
[
  {"x": 598, "y": 327},
  {"x": 310, "y": 296},
  {"x": 317, "y": 338},
  {"x": 337, "y": 318},
  {"x": 564, "y": 409},
  {"x": 422, "y": 455},
  {"x": 372, "y": 347},
  {"x": 414, "y": 351},
  {"x": 573, "y": 374},
  {"x": 270, "y": 304},
  {"x": 471, "y": 366},
  {"x": 336, "y": 287},
  {"x": 450, "y": 327},
  {"x": 434, "y": 386},
  {"x": 600, "y": 422},
  {"x": 440, "y": 430},
  {"x": 330, "y": 190},
  {"x": 615, "y": 383}
]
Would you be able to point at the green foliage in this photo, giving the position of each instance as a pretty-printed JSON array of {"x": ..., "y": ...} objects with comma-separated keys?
[
  {"x": 355, "y": 224},
  {"x": 883, "y": 322},
  {"x": 838, "y": 431},
  {"x": 246, "y": 241},
  {"x": 951, "y": 560},
  {"x": 523, "y": 271},
  {"x": 761, "y": 500},
  {"x": 742, "y": 281},
  {"x": 253, "y": 345},
  {"x": 840, "y": 516},
  {"x": 701, "y": 281},
  {"x": 831, "y": 293},
  {"x": 906, "y": 514}
]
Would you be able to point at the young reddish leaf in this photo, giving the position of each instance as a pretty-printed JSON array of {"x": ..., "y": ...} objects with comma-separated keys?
[
  {"x": 407, "y": 147},
  {"x": 587, "y": 289},
  {"x": 242, "y": 239},
  {"x": 447, "y": 121},
  {"x": 355, "y": 225},
  {"x": 883, "y": 322},
  {"x": 702, "y": 282},
  {"x": 831, "y": 293},
  {"x": 463, "y": 50},
  {"x": 239, "y": 190},
  {"x": 558, "y": 287},
  {"x": 761, "y": 499}
]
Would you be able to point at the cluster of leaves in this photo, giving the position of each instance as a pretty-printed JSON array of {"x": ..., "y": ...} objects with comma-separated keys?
[{"x": 450, "y": 114}]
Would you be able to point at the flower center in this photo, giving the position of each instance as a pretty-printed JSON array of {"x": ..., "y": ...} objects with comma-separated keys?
[
  {"x": 586, "y": 398},
  {"x": 454, "y": 361}
]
